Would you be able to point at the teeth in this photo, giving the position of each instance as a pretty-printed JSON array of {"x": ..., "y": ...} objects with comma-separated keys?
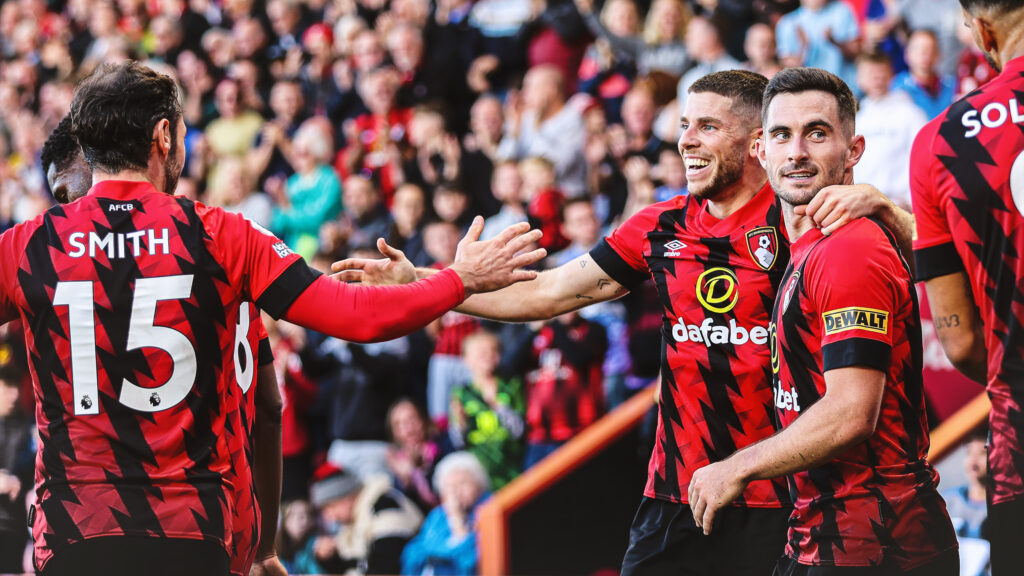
[{"x": 693, "y": 163}]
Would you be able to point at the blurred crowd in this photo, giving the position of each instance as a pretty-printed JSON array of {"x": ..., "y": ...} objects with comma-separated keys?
[{"x": 336, "y": 122}]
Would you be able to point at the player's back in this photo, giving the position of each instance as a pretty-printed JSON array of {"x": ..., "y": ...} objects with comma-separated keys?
[
  {"x": 968, "y": 187},
  {"x": 131, "y": 324}
]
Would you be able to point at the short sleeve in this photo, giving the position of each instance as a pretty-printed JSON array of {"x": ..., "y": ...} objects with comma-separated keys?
[
  {"x": 934, "y": 251},
  {"x": 857, "y": 311},
  {"x": 621, "y": 254},
  {"x": 261, "y": 267}
]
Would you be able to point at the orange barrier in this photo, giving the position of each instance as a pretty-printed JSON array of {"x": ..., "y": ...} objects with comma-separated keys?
[
  {"x": 495, "y": 559},
  {"x": 948, "y": 435}
]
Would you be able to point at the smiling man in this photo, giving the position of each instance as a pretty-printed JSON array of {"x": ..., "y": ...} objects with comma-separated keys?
[
  {"x": 716, "y": 257},
  {"x": 846, "y": 357}
]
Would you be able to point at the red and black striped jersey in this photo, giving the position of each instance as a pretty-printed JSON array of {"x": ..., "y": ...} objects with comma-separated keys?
[
  {"x": 250, "y": 353},
  {"x": 848, "y": 300},
  {"x": 967, "y": 184},
  {"x": 565, "y": 393},
  {"x": 717, "y": 281},
  {"x": 131, "y": 303}
]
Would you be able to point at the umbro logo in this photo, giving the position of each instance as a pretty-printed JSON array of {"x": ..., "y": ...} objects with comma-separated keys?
[{"x": 672, "y": 248}]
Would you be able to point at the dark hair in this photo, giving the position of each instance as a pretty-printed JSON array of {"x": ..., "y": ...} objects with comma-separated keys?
[
  {"x": 743, "y": 87},
  {"x": 574, "y": 201},
  {"x": 998, "y": 5},
  {"x": 114, "y": 111},
  {"x": 60, "y": 150},
  {"x": 797, "y": 80}
]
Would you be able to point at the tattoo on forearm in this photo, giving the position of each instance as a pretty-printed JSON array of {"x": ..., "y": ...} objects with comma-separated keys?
[
  {"x": 951, "y": 321},
  {"x": 602, "y": 283},
  {"x": 584, "y": 297},
  {"x": 583, "y": 263}
]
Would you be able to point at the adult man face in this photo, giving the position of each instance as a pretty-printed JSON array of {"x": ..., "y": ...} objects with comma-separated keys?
[
  {"x": 715, "y": 134},
  {"x": 806, "y": 146}
]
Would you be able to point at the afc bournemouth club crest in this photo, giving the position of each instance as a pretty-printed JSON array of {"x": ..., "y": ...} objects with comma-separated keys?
[{"x": 763, "y": 244}]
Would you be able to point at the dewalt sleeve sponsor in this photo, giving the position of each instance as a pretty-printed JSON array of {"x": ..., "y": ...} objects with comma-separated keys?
[{"x": 854, "y": 318}]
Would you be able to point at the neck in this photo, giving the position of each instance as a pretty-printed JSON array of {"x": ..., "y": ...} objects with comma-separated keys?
[
  {"x": 736, "y": 196},
  {"x": 151, "y": 176},
  {"x": 976, "y": 491},
  {"x": 1012, "y": 46},
  {"x": 796, "y": 225}
]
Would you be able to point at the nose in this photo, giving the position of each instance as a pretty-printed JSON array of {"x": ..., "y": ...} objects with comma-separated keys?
[
  {"x": 796, "y": 150},
  {"x": 688, "y": 139}
]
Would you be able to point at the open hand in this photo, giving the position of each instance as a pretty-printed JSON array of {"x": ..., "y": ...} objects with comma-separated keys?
[
  {"x": 394, "y": 268},
  {"x": 496, "y": 263},
  {"x": 712, "y": 488}
]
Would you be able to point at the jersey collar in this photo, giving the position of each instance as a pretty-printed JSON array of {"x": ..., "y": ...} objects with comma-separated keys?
[
  {"x": 122, "y": 189},
  {"x": 1015, "y": 65}
]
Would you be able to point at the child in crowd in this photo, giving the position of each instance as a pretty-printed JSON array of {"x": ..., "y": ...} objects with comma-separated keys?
[{"x": 486, "y": 416}]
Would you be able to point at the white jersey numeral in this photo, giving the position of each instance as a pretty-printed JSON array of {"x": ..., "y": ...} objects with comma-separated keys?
[
  {"x": 245, "y": 376},
  {"x": 142, "y": 333}
]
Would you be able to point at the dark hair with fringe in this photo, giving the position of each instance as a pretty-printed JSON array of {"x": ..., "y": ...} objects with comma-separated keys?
[
  {"x": 114, "y": 111},
  {"x": 797, "y": 80},
  {"x": 743, "y": 87}
]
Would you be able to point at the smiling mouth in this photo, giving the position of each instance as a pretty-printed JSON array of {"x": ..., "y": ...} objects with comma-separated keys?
[
  {"x": 695, "y": 165},
  {"x": 799, "y": 175}
]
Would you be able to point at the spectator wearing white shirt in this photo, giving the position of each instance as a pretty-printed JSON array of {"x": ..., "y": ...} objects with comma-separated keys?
[{"x": 889, "y": 120}]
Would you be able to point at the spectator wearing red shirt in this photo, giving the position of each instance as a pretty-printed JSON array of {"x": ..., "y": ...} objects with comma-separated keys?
[{"x": 564, "y": 394}]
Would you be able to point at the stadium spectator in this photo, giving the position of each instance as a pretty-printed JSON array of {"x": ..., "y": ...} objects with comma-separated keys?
[
  {"x": 564, "y": 392},
  {"x": 434, "y": 155},
  {"x": 943, "y": 17},
  {"x": 365, "y": 214},
  {"x": 602, "y": 74},
  {"x": 638, "y": 115},
  {"x": 660, "y": 45},
  {"x": 408, "y": 208},
  {"x": 820, "y": 34},
  {"x": 930, "y": 90},
  {"x": 973, "y": 70},
  {"x": 759, "y": 48},
  {"x": 670, "y": 171},
  {"x": 546, "y": 127},
  {"x": 967, "y": 506},
  {"x": 413, "y": 453},
  {"x": 486, "y": 416},
  {"x": 707, "y": 50},
  {"x": 543, "y": 201},
  {"x": 889, "y": 120},
  {"x": 365, "y": 524},
  {"x": 272, "y": 149},
  {"x": 480, "y": 148},
  {"x": 234, "y": 130},
  {"x": 446, "y": 545},
  {"x": 234, "y": 191},
  {"x": 312, "y": 195},
  {"x": 15, "y": 465},
  {"x": 506, "y": 186},
  {"x": 298, "y": 527}
]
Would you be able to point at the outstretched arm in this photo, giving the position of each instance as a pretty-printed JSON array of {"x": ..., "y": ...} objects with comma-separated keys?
[
  {"x": 844, "y": 417},
  {"x": 551, "y": 293},
  {"x": 379, "y": 313},
  {"x": 571, "y": 286}
]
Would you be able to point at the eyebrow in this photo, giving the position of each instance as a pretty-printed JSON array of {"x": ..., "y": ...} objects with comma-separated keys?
[
  {"x": 702, "y": 120},
  {"x": 816, "y": 123}
]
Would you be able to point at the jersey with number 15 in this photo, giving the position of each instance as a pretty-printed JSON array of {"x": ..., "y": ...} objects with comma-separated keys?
[{"x": 131, "y": 303}]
